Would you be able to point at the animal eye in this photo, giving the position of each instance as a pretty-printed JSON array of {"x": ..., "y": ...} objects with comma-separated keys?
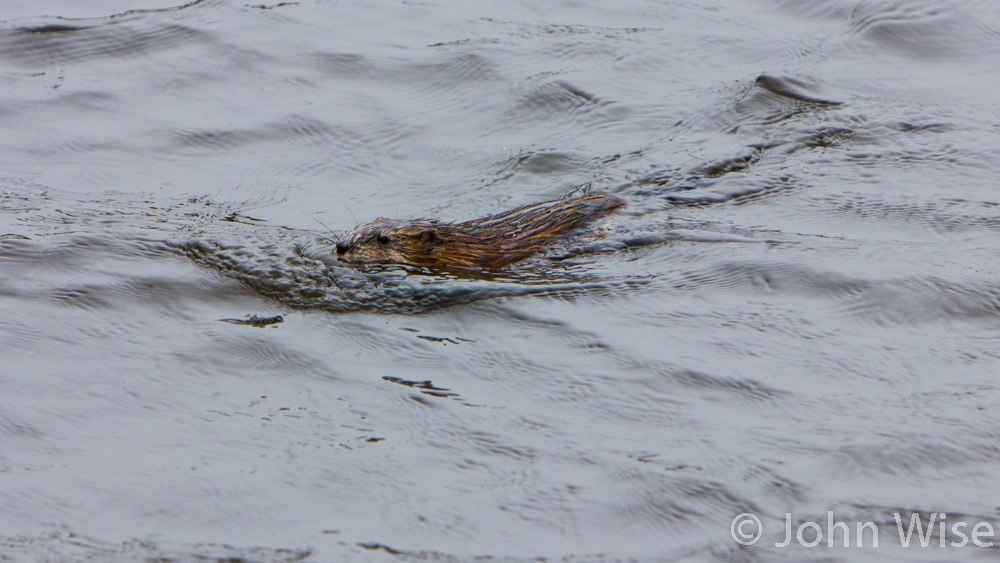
[{"x": 383, "y": 239}]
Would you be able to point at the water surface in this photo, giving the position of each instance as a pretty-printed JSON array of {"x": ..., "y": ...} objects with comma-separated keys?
[{"x": 798, "y": 312}]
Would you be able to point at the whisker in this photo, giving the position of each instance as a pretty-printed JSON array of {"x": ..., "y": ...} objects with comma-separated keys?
[
  {"x": 327, "y": 228},
  {"x": 356, "y": 222}
]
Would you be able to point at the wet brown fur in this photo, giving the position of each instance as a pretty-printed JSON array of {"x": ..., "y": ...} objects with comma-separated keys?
[{"x": 490, "y": 242}]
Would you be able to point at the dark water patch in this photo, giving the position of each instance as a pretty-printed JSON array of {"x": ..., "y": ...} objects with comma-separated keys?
[
  {"x": 653, "y": 233},
  {"x": 741, "y": 388},
  {"x": 39, "y": 211},
  {"x": 558, "y": 96},
  {"x": 911, "y": 127},
  {"x": 828, "y": 138},
  {"x": 271, "y": 6},
  {"x": 788, "y": 325},
  {"x": 456, "y": 71},
  {"x": 785, "y": 156},
  {"x": 571, "y": 43},
  {"x": 165, "y": 6},
  {"x": 112, "y": 38},
  {"x": 926, "y": 300},
  {"x": 216, "y": 140},
  {"x": 625, "y": 242},
  {"x": 459, "y": 71},
  {"x": 567, "y": 30},
  {"x": 486, "y": 443},
  {"x": 885, "y": 517},
  {"x": 643, "y": 402},
  {"x": 910, "y": 139},
  {"x": 568, "y": 43},
  {"x": 915, "y": 455},
  {"x": 239, "y": 352},
  {"x": 735, "y": 190},
  {"x": 442, "y": 339},
  {"x": 773, "y": 100},
  {"x": 65, "y": 545},
  {"x": 925, "y": 30},
  {"x": 939, "y": 215},
  {"x": 660, "y": 395},
  {"x": 84, "y": 146},
  {"x": 82, "y": 297},
  {"x": 764, "y": 109},
  {"x": 15, "y": 197},
  {"x": 909, "y": 158},
  {"x": 895, "y": 301},
  {"x": 507, "y": 365},
  {"x": 756, "y": 173},
  {"x": 672, "y": 504},
  {"x": 50, "y": 28},
  {"x": 73, "y": 104},
  {"x": 19, "y": 430},
  {"x": 463, "y": 42},
  {"x": 795, "y": 89},
  {"x": 313, "y": 130},
  {"x": 736, "y": 164},
  {"x": 426, "y": 387},
  {"x": 314, "y": 149},
  {"x": 744, "y": 193},
  {"x": 256, "y": 321},
  {"x": 296, "y": 129},
  {"x": 72, "y": 251},
  {"x": 371, "y": 338},
  {"x": 659, "y": 178},
  {"x": 747, "y": 276},
  {"x": 344, "y": 65},
  {"x": 17, "y": 334},
  {"x": 542, "y": 162},
  {"x": 104, "y": 275},
  {"x": 553, "y": 101}
]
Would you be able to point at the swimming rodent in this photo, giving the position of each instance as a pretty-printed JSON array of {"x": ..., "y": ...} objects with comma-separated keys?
[{"x": 490, "y": 242}]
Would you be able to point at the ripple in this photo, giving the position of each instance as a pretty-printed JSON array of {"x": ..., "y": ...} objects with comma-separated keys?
[
  {"x": 46, "y": 44},
  {"x": 798, "y": 309},
  {"x": 358, "y": 149},
  {"x": 899, "y": 301},
  {"x": 668, "y": 504},
  {"x": 284, "y": 273},
  {"x": 65, "y": 545},
  {"x": 744, "y": 389},
  {"x": 241, "y": 352},
  {"x": 452, "y": 71},
  {"x": 776, "y": 99},
  {"x": 925, "y": 30},
  {"x": 294, "y": 267},
  {"x": 541, "y": 162},
  {"x": 554, "y": 101},
  {"x": 557, "y": 97},
  {"x": 938, "y": 215}
]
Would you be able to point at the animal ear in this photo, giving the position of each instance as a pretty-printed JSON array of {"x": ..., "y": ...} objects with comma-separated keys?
[
  {"x": 428, "y": 236},
  {"x": 380, "y": 220}
]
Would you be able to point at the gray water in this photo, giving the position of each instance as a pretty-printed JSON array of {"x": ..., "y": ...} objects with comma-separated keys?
[{"x": 797, "y": 313}]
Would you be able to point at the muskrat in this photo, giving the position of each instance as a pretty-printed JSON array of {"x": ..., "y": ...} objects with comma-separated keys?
[{"x": 490, "y": 242}]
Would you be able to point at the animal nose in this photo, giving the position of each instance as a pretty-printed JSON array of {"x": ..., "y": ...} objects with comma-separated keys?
[{"x": 341, "y": 247}]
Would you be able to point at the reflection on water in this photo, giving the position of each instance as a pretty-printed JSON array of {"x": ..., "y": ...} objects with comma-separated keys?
[{"x": 797, "y": 312}]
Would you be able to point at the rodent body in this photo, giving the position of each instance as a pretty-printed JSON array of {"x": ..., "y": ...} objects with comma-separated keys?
[{"x": 490, "y": 242}]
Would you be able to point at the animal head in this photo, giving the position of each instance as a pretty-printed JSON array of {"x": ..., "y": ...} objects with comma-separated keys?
[{"x": 387, "y": 241}]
